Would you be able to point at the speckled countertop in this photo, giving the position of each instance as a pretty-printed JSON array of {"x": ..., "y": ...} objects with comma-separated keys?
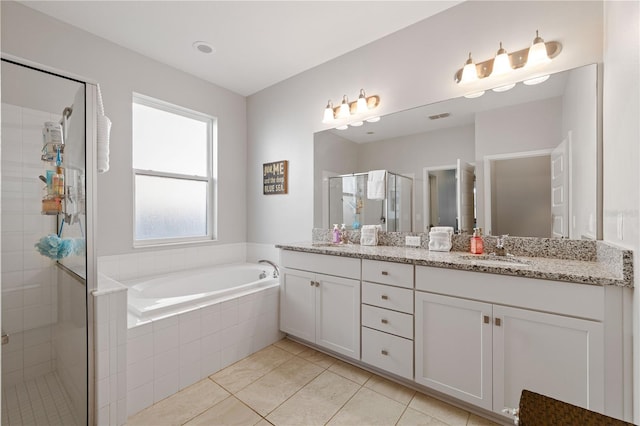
[{"x": 610, "y": 266}]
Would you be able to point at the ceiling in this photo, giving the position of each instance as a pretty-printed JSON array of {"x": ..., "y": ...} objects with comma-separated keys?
[{"x": 257, "y": 43}]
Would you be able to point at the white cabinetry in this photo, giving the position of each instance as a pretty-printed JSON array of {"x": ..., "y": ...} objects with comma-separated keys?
[
  {"x": 387, "y": 316},
  {"x": 482, "y": 338},
  {"x": 318, "y": 306}
]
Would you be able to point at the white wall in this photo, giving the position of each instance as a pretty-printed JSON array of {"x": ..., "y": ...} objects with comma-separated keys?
[
  {"x": 412, "y": 67},
  {"x": 621, "y": 156},
  {"x": 39, "y": 38}
]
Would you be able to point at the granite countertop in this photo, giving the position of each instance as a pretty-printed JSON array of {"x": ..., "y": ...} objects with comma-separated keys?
[{"x": 595, "y": 272}]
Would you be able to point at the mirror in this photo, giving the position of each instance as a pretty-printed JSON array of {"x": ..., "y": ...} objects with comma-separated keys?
[{"x": 534, "y": 150}]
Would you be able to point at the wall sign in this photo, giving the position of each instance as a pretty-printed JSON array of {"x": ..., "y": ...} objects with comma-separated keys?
[{"x": 274, "y": 177}]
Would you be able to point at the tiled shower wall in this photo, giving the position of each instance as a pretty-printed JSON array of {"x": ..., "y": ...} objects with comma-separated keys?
[{"x": 29, "y": 293}]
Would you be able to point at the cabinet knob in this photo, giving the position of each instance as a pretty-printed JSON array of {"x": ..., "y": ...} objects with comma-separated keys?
[
  {"x": 384, "y": 297},
  {"x": 385, "y": 273},
  {"x": 312, "y": 283},
  {"x": 384, "y": 352},
  {"x": 384, "y": 321},
  {"x": 487, "y": 320},
  {"x": 498, "y": 322},
  {"x": 317, "y": 284}
]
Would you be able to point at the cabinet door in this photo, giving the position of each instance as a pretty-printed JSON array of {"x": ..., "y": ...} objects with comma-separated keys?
[
  {"x": 297, "y": 304},
  {"x": 453, "y": 347},
  {"x": 553, "y": 355},
  {"x": 338, "y": 315}
]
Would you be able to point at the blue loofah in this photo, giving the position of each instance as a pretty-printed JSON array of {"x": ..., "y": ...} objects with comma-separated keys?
[{"x": 57, "y": 248}]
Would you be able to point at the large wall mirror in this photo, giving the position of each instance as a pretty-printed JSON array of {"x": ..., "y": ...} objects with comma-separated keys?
[{"x": 523, "y": 162}]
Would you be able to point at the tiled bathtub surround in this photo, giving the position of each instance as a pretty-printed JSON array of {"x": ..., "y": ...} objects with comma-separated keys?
[{"x": 157, "y": 358}]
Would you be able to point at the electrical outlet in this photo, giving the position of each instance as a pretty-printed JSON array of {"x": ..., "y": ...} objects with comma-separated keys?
[{"x": 412, "y": 241}]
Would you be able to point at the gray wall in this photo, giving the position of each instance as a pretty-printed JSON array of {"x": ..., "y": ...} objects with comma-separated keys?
[
  {"x": 409, "y": 68},
  {"x": 39, "y": 38}
]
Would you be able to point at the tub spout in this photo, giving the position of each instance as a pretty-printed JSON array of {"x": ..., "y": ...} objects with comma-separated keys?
[{"x": 276, "y": 270}]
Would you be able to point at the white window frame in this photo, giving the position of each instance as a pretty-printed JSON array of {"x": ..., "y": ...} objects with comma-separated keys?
[{"x": 211, "y": 179}]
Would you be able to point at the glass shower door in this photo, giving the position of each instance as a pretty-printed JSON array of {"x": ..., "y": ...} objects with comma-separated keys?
[{"x": 43, "y": 247}]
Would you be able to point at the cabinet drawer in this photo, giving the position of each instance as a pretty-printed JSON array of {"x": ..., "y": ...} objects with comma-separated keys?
[
  {"x": 529, "y": 293},
  {"x": 387, "y": 352},
  {"x": 388, "y": 321},
  {"x": 399, "y": 274},
  {"x": 398, "y": 299},
  {"x": 330, "y": 265}
]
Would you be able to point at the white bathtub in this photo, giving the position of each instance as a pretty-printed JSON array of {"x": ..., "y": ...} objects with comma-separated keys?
[{"x": 176, "y": 292}]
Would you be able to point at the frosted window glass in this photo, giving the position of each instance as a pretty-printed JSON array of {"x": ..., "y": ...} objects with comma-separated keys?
[
  {"x": 168, "y": 142},
  {"x": 170, "y": 208}
]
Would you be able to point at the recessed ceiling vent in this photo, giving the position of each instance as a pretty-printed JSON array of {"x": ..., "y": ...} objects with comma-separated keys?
[{"x": 438, "y": 116}]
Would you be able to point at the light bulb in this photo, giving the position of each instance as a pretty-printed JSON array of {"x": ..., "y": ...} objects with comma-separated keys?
[
  {"x": 504, "y": 88},
  {"x": 474, "y": 95},
  {"x": 536, "y": 80},
  {"x": 373, "y": 119},
  {"x": 469, "y": 72},
  {"x": 344, "y": 111},
  {"x": 328, "y": 113},
  {"x": 501, "y": 63},
  {"x": 537, "y": 52},
  {"x": 342, "y": 127},
  {"x": 356, "y": 123},
  {"x": 361, "y": 106}
]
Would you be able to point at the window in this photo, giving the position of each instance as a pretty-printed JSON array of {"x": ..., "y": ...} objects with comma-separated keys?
[{"x": 173, "y": 173}]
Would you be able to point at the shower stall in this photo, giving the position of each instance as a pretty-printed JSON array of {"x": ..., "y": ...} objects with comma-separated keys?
[
  {"x": 349, "y": 202},
  {"x": 48, "y": 267}
]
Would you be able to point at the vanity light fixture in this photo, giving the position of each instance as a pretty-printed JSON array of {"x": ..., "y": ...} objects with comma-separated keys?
[
  {"x": 504, "y": 63},
  {"x": 357, "y": 110}
]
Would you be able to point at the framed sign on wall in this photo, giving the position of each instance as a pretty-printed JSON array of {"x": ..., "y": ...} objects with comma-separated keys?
[{"x": 275, "y": 177}]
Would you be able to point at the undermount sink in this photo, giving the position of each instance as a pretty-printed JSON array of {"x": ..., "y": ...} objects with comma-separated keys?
[{"x": 494, "y": 260}]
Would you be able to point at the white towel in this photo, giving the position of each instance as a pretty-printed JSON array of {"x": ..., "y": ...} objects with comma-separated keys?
[
  {"x": 103, "y": 129},
  {"x": 440, "y": 238},
  {"x": 439, "y": 241},
  {"x": 369, "y": 235},
  {"x": 377, "y": 185}
]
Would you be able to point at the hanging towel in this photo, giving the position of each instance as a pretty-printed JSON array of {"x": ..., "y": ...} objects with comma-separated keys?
[
  {"x": 369, "y": 235},
  {"x": 377, "y": 185},
  {"x": 103, "y": 124}
]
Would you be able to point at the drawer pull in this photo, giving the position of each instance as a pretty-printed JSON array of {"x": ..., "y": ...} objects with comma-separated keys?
[
  {"x": 498, "y": 322},
  {"x": 385, "y": 273},
  {"x": 317, "y": 283},
  {"x": 384, "y": 321},
  {"x": 486, "y": 319},
  {"x": 385, "y": 297},
  {"x": 384, "y": 352},
  {"x": 312, "y": 283}
]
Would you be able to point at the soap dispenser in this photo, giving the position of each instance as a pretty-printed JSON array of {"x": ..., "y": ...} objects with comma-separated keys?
[
  {"x": 477, "y": 244},
  {"x": 336, "y": 233},
  {"x": 344, "y": 237}
]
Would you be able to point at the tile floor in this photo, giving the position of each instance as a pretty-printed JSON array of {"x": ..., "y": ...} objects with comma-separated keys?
[
  {"x": 39, "y": 401},
  {"x": 291, "y": 384}
]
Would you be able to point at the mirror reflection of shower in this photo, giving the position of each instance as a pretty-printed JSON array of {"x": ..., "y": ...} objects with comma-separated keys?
[{"x": 348, "y": 203}]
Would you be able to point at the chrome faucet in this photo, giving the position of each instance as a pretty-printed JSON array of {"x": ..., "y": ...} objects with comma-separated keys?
[
  {"x": 500, "y": 249},
  {"x": 276, "y": 270}
]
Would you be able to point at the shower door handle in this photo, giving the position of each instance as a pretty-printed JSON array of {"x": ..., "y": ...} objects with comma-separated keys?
[{"x": 5, "y": 338}]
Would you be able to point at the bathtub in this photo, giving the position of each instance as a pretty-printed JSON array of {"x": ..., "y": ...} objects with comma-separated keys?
[{"x": 176, "y": 292}]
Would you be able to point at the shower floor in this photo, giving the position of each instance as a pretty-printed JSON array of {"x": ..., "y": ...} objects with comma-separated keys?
[{"x": 40, "y": 401}]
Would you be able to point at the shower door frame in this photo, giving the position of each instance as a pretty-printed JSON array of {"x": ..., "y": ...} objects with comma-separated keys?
[{"x": 91, "y": 185}]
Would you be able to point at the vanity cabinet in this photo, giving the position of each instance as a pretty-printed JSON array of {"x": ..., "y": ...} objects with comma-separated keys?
[
  {"x": 482, "y": 338},
  {"x": 387, "y": 316},
  {"x": 320, "y": 300}
]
